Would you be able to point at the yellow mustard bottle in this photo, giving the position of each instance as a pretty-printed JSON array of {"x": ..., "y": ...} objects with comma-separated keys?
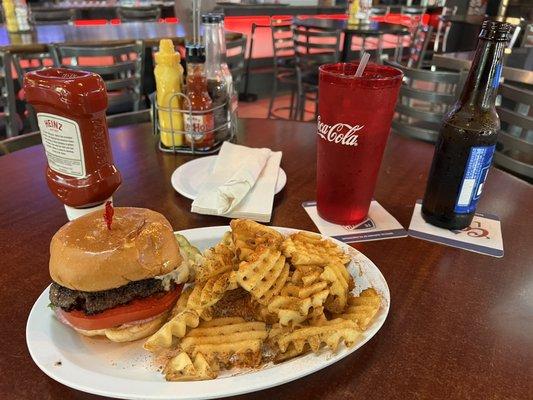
[
  {"x": 168, "y": 79},
  {"x": 10, "y": 16}
]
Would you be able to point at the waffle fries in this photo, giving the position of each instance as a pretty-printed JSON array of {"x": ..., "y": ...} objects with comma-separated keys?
[
  {"x": 264, "y": 274},
  {"x": 312, "y": 249},
  {"x": 182, "y": 368},
  {"x": 229, "y": 341},
  {"x": 248, "y": 235},
  {"x": 259, "y": 297}
]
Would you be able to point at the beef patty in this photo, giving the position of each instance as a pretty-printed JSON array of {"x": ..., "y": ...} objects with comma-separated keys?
[{"x": 96, "y": 302}]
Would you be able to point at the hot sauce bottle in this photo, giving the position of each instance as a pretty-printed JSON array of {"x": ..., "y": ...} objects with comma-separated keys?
[
  {"x": 200, "y": 124},
  {"x": 71, "y": 106}
]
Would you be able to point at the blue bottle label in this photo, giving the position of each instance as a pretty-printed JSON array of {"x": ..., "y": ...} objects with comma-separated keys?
[{"x": 476, "y": 170}]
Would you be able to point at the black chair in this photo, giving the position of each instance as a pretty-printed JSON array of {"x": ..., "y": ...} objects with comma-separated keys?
[
  {"x": 425, "y": 97},
  {"x": 372, "y": 38},
  {"x": 43, "y": 16},
  {"x": 144, "y": 13},
  {"x": 10, "y": 124},
  {"x": 514, "y": 151},
  {"x": 123, "y": 76},
  {"x": 24, "y": 63},
  {"x": 19, "y": 142},
  {"x": 415, "y": 14},
  {"x": 527, "y": 39},
  {"x": 312, "y": 49},
  {"x": 440, "y": 39},
  {"x": 418, "y": 51},
  {"x": 34, "y": 138},
  {"x": 284, "y": 67},
  {"x": 235, "y": 51}
]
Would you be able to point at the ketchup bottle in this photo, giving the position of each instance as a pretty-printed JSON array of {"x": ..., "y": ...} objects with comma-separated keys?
[{"x": 70, "y": 106}]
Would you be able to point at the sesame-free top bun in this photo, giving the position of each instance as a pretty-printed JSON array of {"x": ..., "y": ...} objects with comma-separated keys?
[{"x": 85, "y": 255}]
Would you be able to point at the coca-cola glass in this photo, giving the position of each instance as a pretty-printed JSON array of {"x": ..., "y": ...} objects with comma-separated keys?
[{"x": 354, "y": 120}]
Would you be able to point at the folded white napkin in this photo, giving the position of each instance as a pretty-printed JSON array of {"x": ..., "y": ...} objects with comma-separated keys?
[{"x": 241, "y": 184}]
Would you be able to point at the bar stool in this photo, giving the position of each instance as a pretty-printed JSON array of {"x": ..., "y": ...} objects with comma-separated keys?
[
  {"x": 312, "y": 48},
  {"x": 284, "y": 67}
]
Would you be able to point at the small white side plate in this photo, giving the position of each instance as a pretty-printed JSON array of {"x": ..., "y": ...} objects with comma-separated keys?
[
  {"x": 127, "y": 371},
  {"x": 187, "y": 178}
]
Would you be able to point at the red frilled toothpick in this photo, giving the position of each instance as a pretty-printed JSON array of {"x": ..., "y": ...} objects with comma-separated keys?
[{"x": 108, "y": 214}]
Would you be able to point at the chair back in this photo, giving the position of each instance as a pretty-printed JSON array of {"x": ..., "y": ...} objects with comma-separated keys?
[
  {"x": 412, "y": 11},
  {"x": 235, "y": 50},
  {"x": 282, "y": 43},
  {"x": 415, "y": 15},
  {"x": 8, "y": 112},
  {"x": 425, "y": 97},
  {"x": 121, "y": 67},
  {"x": 27, "y": 62},
  {"x": 527, "y": 39},
  {"x": 443, "y": 29},
  {"x": 419, "y": 46},
  {"x": 514, "y": 151},
  {"x": 19, "y": 142},
  {"x": 144, "y": 13},
  {"x": 379, "y": 11},
  {"x": 52, "y": 16},
  {"x": 313, "y": 48}
]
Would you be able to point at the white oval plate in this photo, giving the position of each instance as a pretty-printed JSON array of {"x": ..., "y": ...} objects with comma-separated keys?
[
  {"x": 187, "y": 178},
  {"x": 125, "y": 370}
]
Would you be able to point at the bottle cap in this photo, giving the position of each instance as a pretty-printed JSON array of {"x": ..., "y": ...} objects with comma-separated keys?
[
  {"x": 495, "y": 31},
  {"x": 73, "y": 213},
  {"x": 212, "y": 18},
  {"x": 167, "y": 53},
  {"x": 195, "y": 53}
]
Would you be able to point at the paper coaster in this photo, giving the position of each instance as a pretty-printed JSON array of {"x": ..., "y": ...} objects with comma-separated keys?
[
  {"x": 483, "y": 236},
  {"x": 378, "y": 226}
]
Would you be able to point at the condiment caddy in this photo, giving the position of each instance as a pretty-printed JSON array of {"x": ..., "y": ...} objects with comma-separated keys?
[{"x": 195, "y": 118}]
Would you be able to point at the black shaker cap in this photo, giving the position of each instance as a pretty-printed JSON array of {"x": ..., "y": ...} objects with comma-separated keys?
[
  {"x": 495, "y": 31},
  {"x": 212, "y": 18},
  {"x": 195, "y": 53}
]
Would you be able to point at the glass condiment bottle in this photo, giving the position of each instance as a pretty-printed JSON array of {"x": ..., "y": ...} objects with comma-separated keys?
[
  {"x": 216, "y": 81},
  {"x": 232, "y": 89},
  {"x": 71, "y": 113},
  {"x": 200, "y": 124}
]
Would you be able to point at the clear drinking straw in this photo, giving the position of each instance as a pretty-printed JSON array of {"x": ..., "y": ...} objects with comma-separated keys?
[{"x": 362, "y": 65}]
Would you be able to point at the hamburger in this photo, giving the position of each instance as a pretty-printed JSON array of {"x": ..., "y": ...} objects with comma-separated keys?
[{"x": 118, "y": 278}]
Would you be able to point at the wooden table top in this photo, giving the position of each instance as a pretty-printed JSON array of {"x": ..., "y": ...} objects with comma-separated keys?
[
  {"x": 460, "y": 323},
  {"x": 37, "y": 41},
  {"x": 370, "y": 28}
]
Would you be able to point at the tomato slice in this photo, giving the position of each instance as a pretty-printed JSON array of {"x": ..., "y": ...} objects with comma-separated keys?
[{"x": 135, "y": 310}]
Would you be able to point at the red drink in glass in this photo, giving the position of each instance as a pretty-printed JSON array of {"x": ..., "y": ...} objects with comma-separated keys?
[{"x": 354, "y": 120}]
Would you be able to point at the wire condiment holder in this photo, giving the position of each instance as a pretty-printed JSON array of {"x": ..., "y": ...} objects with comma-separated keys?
[{"x": 222, "y": 132}]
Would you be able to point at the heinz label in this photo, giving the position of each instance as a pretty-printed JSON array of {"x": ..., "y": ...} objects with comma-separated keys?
[
  {"x": 339, "y": 133},
  {"x": 62, "y": 144}
]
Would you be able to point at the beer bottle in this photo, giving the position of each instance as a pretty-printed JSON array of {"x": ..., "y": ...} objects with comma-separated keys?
[{"x": 467, "y": 138}]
